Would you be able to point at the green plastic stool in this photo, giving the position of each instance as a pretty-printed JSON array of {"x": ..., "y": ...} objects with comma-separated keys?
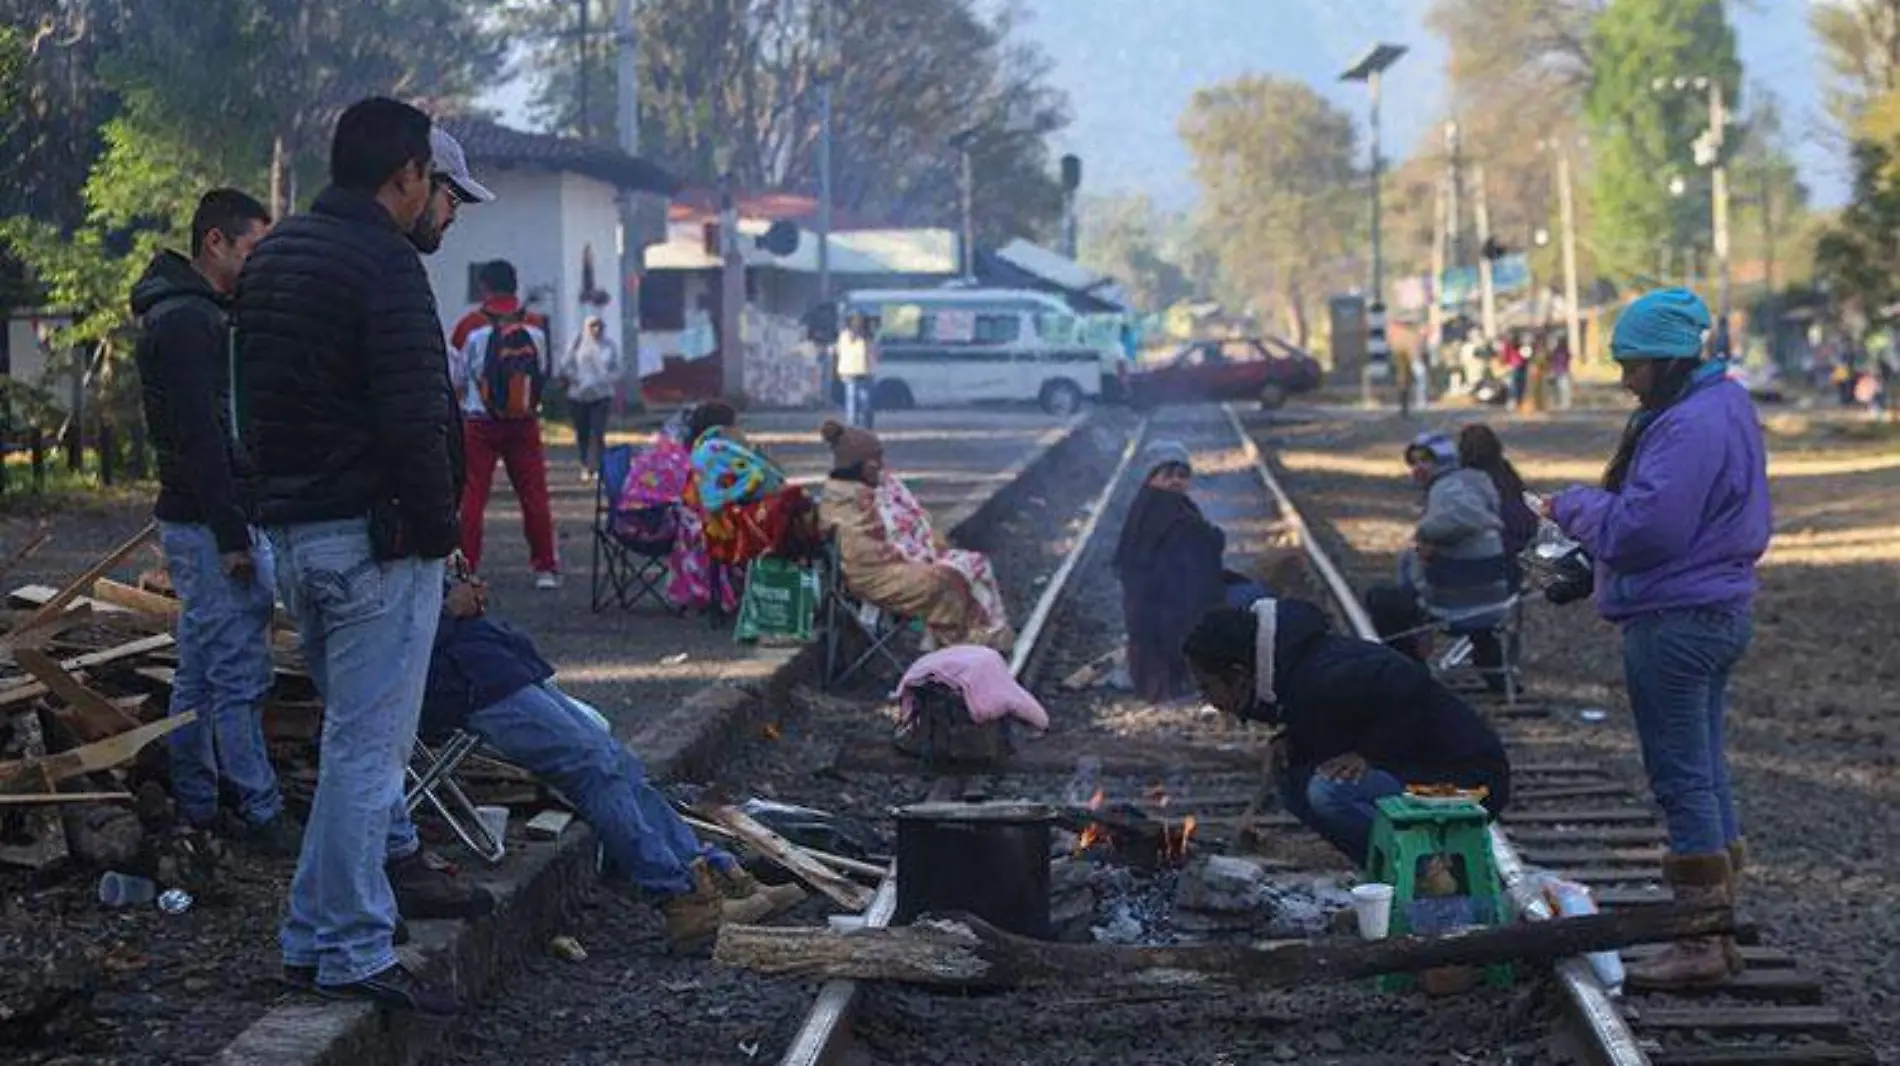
[{"x": 1407, "y": 832}]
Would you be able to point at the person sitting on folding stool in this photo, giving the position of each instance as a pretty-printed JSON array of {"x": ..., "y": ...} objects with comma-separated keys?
[
  {"x": 1357, "y": 720},
  {"x": 487, "y": 678}
]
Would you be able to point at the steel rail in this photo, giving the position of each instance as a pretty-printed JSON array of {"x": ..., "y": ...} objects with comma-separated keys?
[
  {"x": 817, "y": 1037},
  {"x": 1614, "y": 1043}
]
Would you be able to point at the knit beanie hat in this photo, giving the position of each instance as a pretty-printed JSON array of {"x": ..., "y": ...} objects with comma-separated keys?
[
  {"x": 1166, "y": 453},
  {"x": 1665, "y": 324},
  {"x": 850, "y": 446}
]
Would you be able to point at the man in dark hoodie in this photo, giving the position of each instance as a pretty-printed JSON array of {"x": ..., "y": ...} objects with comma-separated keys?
[
  {"x": 219, "y": 566},
  {"x": 1356, "y": 720}
]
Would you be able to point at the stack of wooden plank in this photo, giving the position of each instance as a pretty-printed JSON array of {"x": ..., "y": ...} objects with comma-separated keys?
[{"x": 85, "y": 678}]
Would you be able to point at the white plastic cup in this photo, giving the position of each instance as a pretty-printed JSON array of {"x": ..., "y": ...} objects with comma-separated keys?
[
  {"x": 495, "y": 820},
  {"x": 1372, "y": 905}
]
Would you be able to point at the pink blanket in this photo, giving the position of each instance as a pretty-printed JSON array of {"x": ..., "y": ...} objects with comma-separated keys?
[{"x": 982, "y": 676}]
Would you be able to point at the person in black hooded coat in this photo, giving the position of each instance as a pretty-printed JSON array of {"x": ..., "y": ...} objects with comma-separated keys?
[
  {"x": 1169, "y": 562},
  {"x": 1357, "y": 720}
]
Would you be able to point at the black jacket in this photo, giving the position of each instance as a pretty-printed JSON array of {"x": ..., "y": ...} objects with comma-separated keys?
[
  {"x": 343, "y": 376},
  {"x": 476, "y": 663},
  {"x": 1338, "y": 695},
  {"x": 184, "y": 365}
]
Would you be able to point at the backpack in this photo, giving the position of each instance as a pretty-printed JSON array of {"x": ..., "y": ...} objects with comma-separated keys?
[{"x": 512, "y": 375}]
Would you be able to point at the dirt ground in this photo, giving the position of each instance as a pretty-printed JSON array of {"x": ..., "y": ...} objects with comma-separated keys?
[
  {"x": 168, "y": 988},
  {"x": 1813, "y": 731}
]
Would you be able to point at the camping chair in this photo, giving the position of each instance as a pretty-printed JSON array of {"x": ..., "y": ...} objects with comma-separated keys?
[
  {"x": 843, "y": 615},
  {"x": 431, "y": 779},
  {"x": 1472, "y": 599},
  {"x": 631, "y": 546}
]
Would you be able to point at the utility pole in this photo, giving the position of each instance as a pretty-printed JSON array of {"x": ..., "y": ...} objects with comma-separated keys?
[
  {"x": 633, "y": 237},
  {"x": 1567, "y": 211},
  {"x": 1454, "y": 147},
  {"x": 1768, "y": 232},
  {"x": 1488, "y": 298},
  {"x": 731, "y": 295},
  {"x": 1718, "y": 189},
  {"x": 962, "y": 142},
  {"x": 828, "y": 70},
  {"x": 1369, "y": 69}
]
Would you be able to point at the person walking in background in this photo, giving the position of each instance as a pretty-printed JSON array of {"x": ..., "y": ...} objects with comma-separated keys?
[
  {"x": 1676, "y": 529},
  {"x": 347, "y": 414},
  {"x": 857, "y": 369},
  {"x": 499, "y": 369},
  {"x": 1560, "y": 371},
  {"x": 591, "y": 370},
  {"x": 220, "y": 566}
]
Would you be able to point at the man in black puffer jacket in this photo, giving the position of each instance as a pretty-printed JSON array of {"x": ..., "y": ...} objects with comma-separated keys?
[
  {"x": 1358, "y": 720},
  {"x": 220, "y": 570},
  {"x": 349, "y": 420}
]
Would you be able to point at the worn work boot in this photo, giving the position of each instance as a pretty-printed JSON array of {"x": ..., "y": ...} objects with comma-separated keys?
[
  {"x": 1737, "y": 859},
  {"x": 424, "y": 892},
  {"x": 693, "y": 916},
  {"x": 1699, "y": 880},
  {"x": 739, "y": 884}
]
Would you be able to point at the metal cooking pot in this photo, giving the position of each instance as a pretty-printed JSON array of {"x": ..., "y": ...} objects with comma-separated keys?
[{"x": 989, "y": 859}]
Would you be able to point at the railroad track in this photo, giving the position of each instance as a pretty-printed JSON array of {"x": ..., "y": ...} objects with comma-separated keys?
[
  {"x": 1575, "y": 816},
  {"x": 1570, "y": 814}
]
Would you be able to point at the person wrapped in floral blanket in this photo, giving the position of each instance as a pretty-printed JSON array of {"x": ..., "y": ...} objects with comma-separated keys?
[{"x": 894, "y": 559}]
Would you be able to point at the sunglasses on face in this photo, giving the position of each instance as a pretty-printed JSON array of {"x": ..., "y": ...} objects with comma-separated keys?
[{"x": 441, "y": 182}]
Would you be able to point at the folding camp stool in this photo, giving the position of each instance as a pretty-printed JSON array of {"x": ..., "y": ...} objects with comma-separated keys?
[
  {"x": 843, "y": 615},
  {"x": 1504, "y": 620},
  {"x": 431, "y": 777}
]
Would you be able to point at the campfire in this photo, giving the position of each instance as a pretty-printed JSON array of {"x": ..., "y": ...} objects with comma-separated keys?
[{"x": 1132, "y": 834}]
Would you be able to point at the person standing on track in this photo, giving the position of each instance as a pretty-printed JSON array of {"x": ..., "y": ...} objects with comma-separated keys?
[
  {"x": 500, "y": 363},
  {"x": 1357, "y": 720},
  {"x": 1676, "y": 529}
]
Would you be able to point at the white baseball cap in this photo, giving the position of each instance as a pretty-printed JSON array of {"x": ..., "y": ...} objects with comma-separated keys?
[{"x": 447, "y": 159}]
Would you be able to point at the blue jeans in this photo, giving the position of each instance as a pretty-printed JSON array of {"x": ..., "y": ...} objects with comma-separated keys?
[
  {"x": 543, "y": 730},
  {"x": 367, "y": 631},
  {"x": 224, "y": 670},
  {"x": 1340, "y": 811},
  {"x": 1677, "y": 666}
]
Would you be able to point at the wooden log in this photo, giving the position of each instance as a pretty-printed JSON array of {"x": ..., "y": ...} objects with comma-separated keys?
[
  {"x": 841, "y": 890},
  {"x": 158, "y": 605},
  {"x": 54, "y": 798},
  {"x": 92, "y": 716},
  {"x": 837, "y": 862},
  {"x": 41, "y": 635},
  {"x": 45, "y": 832},
  {"x": 72, "y": 588},
  {"x": 45, "y": 773},
  {"x": 965, "y": 951}
]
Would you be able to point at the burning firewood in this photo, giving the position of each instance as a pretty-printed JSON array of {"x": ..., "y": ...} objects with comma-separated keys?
[{"x": 965, "y": 951}]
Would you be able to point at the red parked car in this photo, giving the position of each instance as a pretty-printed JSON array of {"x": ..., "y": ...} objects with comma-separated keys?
[{"x": 1266, "y": 369}]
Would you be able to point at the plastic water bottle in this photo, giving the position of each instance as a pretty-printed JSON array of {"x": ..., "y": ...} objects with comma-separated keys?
[{"x": 124, "y": 890}]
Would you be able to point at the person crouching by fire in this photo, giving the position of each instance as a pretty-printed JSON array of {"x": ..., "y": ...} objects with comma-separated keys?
[{"x": 1357, "y": 720}]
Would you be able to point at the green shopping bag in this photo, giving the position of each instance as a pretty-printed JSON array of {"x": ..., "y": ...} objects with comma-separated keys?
[{"x": 780, "y": 599}]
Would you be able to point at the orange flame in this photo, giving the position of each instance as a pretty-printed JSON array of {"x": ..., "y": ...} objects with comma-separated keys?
[
  {"x": 1096, "y": 801},
  {"x": 1174, "y": 842}
]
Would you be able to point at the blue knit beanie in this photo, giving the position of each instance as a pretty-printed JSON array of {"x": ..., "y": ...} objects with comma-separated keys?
[{"x": 1665, "y": 324}]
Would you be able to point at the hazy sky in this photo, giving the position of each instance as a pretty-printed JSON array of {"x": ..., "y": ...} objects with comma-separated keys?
[{"x": 1130, "y": 66}]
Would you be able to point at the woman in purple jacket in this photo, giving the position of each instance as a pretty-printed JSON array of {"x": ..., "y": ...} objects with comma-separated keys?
[{"x": 1676, "y": 530}]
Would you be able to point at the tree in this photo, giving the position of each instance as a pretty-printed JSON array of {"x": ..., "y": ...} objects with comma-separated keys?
[
  {"x": 732, "y": 86},
  {"x": 1126, "y": 237},
  {"x": 1860, "y": 42},
  {"x": 1280, "y": 193},
  {"x": 1647, "y": 103}
]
